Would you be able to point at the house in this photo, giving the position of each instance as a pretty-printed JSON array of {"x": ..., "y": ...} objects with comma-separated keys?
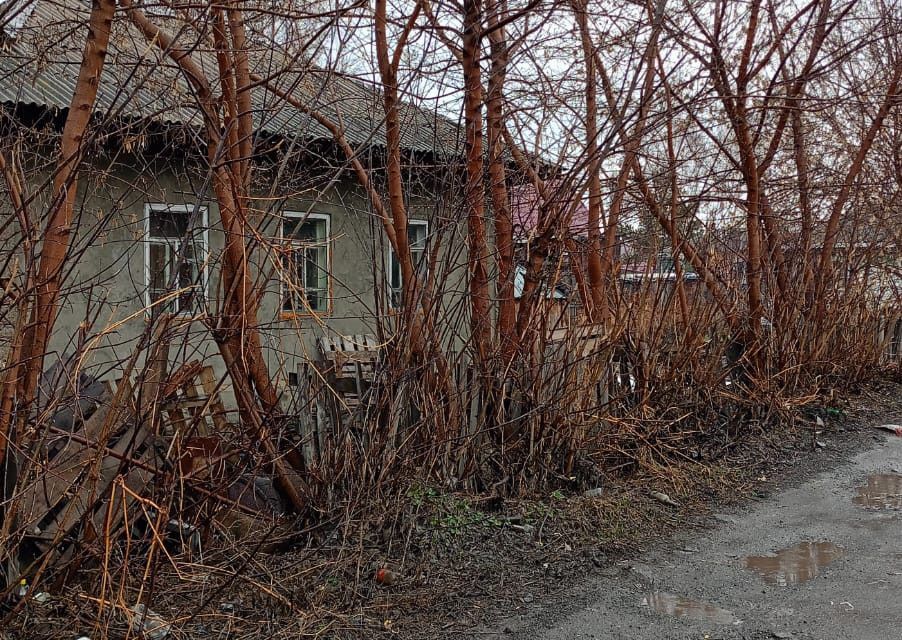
[
  {"x": 562, "y": 304},
  {"x": 658, "y": 271},
  {"x": 148, "y": 234}
]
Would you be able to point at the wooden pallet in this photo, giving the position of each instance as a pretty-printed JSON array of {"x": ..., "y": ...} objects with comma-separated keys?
[
  {"x": 194, "y": 406},
  {"x": 333, "y": 387},
  {"x": 345, "y": 352},
  {"x": 348, "y": 366}
]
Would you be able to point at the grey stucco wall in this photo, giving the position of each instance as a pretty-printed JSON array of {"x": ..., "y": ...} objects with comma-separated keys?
[{"x": 103, "y": 306}]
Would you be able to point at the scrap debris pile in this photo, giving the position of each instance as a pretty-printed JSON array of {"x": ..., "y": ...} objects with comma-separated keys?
[{"x": 157, "y": 456}]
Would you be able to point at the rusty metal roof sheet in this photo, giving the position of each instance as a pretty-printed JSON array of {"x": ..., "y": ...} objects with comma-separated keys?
[{"x": 42, "y": 49}]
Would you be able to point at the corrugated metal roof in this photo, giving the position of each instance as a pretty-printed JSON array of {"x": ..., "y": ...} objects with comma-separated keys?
[
  {"x": 527, "y": 208},
  {"x": 39, "y": 65}
]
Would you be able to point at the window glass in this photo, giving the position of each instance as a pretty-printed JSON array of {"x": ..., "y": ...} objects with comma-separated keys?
[
  {"x": 169, "y": 223},
  {"x": 417, "y": 237},
  {"x": 305, "y": 284},
  {"x": 176, "y": 249}
]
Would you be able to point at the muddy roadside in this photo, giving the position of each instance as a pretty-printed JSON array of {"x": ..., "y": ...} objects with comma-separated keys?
[
  {"x": 460, "y": 566},
  {"x": 818, "y": 560},
  {"x": 605, "y": 545}
]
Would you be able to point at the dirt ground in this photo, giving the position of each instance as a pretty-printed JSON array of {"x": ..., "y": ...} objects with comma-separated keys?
[
  {"x": 842, "y": 580},
  {"x": 689, "y": 561},
  {"x": 566, "y": 565}
]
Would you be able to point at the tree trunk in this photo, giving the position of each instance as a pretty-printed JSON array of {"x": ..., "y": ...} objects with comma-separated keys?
[
  {"x": 58, "y": 232},
  {"x": 398, "y": 210},
  {"x": 475, "y": 193},
  {"x": 501, "y": 209},
  {"x": 631, "y": 142},
  {"x": 237, "y": 334},
  {"x": 825, "y": 266},
  {"x": 594, "y": 266}
]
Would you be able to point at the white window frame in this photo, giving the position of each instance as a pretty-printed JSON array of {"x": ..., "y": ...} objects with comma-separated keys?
[
  {"x": 306, "y": 311},
  {"x": 149, "y": 208},
  {"x": 392, "y": 291}
]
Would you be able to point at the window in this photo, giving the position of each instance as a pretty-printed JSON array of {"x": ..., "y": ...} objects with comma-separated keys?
[
  {"x": 174, "y": 255},
  {"x": 417, "y": 233},
  {"x": 305, "y": 263}
]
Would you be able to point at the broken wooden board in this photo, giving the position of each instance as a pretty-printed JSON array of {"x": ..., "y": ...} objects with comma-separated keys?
[{"x": 61, "y": 474}]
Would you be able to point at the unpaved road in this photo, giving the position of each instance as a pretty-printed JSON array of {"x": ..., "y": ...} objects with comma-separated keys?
[{"x": 848, "y": 586}]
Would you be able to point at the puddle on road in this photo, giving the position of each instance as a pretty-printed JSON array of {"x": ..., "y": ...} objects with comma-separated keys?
[
  {"x": 795, "y": 564},
  {"x": 883, "y": 491},
  {"x": 670, "y": 604}
]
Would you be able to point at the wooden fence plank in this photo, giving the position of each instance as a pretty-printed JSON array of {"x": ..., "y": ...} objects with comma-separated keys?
[
  {"x": 307, "y": 425},
  {"x": 217, "y": 409}
]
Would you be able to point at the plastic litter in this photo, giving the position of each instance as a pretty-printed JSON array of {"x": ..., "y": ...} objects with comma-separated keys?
[
  {"x": 147, "y": 624},
  {"x": 892, "y": 428},
  {"x": 663, "y": 498}
]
